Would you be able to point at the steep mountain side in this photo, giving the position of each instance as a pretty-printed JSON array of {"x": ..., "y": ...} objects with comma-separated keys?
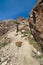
[{"x": 36, "y": 23}]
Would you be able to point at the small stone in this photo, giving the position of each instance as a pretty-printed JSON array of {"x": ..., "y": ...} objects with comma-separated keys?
[
  {"x": 38, "y": 53},
  {"x": 4, "y": 63},
  {"x": 2, "y": 59},
  {"x": 31, "y": 36},
  {"x": 19, "y": 43}
]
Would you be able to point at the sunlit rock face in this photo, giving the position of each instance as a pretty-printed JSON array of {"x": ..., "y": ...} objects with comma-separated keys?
[{"x": 36, "y": 22}]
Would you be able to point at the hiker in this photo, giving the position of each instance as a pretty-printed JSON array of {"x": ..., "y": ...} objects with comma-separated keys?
[{"x": 17, "y": 28}]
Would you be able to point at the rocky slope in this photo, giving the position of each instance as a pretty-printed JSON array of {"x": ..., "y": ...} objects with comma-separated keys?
[
  {"x": 18, "y": 52},
  {"x": 36, "y": 22},
  {"x": 15, "y": 45},
  {"x": 5, "y": 26}
]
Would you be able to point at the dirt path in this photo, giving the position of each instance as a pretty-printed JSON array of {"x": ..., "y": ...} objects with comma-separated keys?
[{"x": 23, "y": 54}]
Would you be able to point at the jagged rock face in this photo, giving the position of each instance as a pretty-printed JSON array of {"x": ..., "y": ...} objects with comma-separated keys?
[{"x": 36, "y": 23}]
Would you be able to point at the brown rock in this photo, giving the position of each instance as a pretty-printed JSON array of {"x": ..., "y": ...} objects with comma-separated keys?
[
  {"x": 36, "y": 23},
  {"x": 18, "y": 44}
]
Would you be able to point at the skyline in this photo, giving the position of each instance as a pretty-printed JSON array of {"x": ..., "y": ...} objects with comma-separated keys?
[{"x": 12, "y": 9}]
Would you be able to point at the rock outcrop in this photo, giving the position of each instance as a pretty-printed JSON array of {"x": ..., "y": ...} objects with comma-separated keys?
[
  {"x": 5, "y": 26},
  {"x": 36, "y": 22}
]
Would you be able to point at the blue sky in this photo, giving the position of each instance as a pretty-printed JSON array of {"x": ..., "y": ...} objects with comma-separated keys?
[{"x": 11, "y": 9}]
